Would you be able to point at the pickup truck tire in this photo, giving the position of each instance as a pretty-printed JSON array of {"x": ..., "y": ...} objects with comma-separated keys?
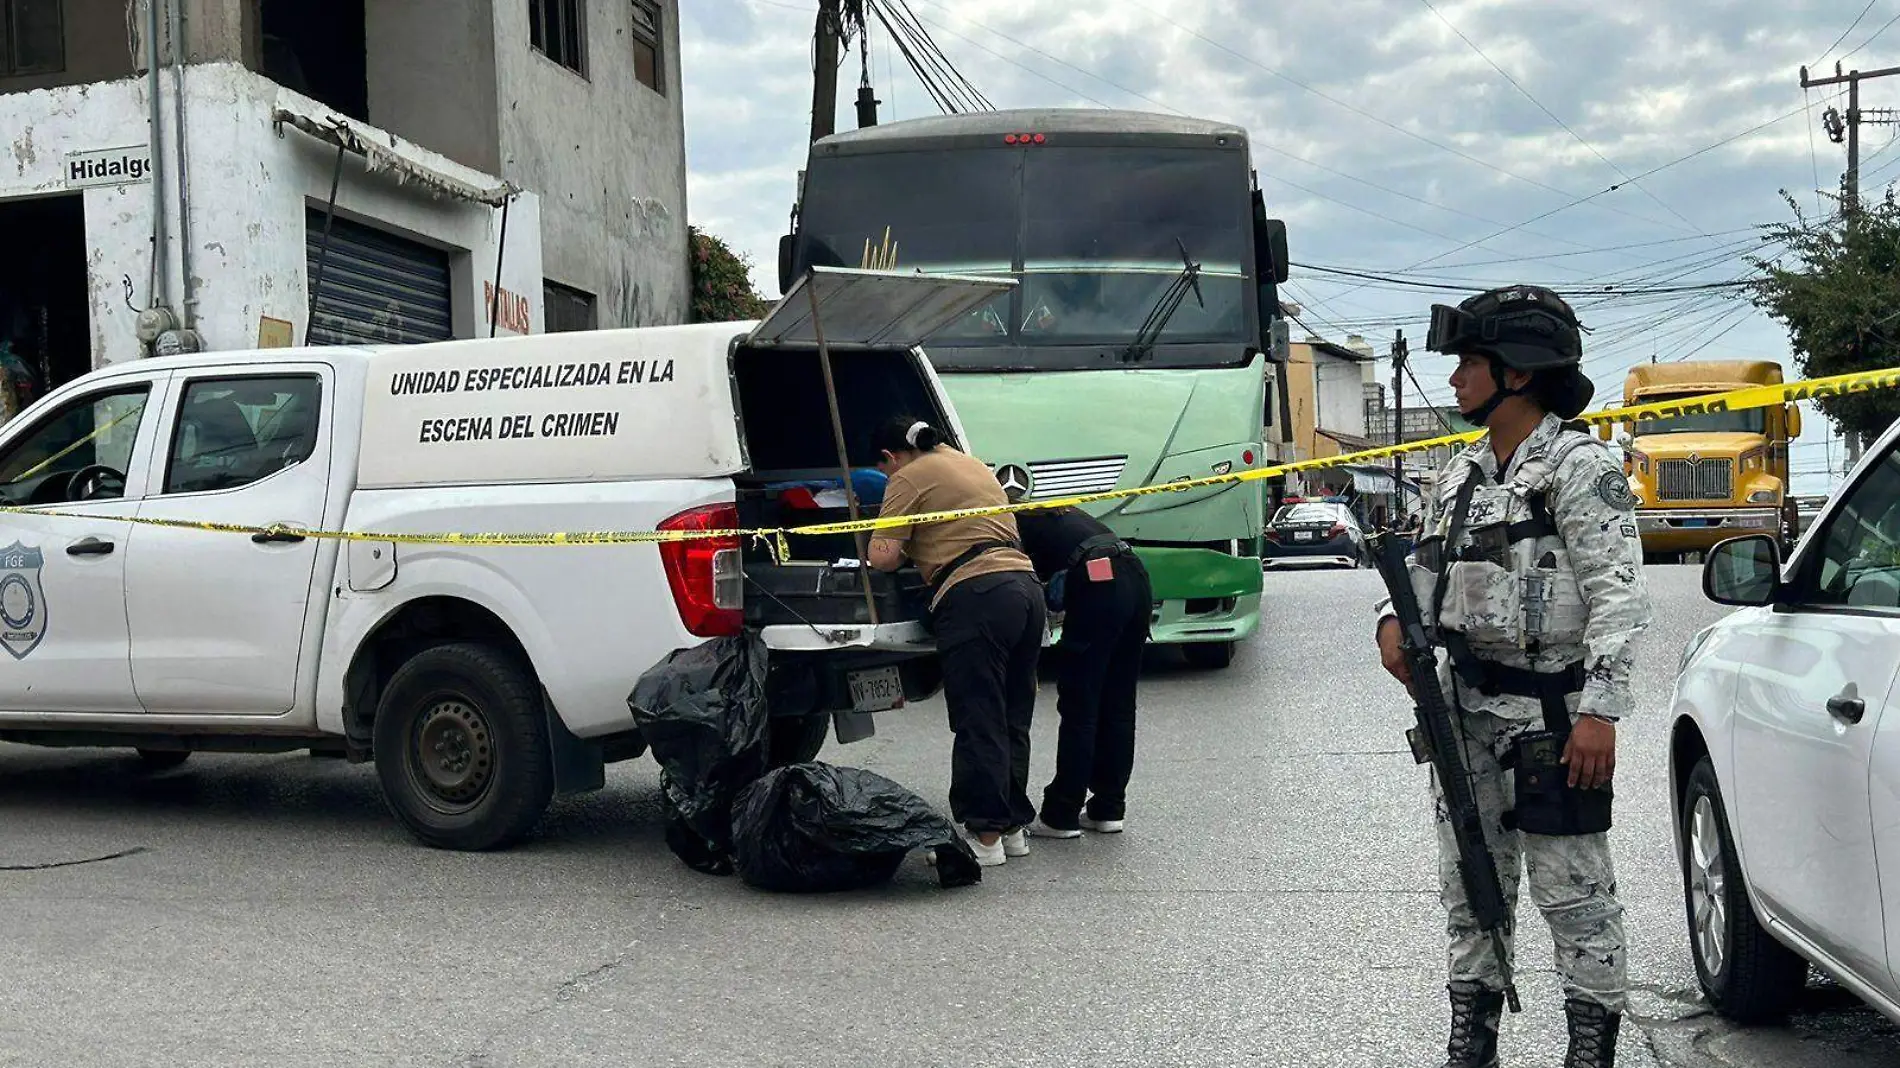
[
  {"x": 1747, "y": 975},
  {"x": 796, "y": 739},
  {"x": 462, "y": 747},
  {"x": 162, "y": 759}
]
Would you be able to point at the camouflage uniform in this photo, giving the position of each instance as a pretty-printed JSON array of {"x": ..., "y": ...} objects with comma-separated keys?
[{"x": 1576, "y": 596}]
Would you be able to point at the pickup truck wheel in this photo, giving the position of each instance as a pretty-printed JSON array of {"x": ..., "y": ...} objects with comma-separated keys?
[
  {"x": 1209, "y": 656},
  {"x": 1748, "y": 976},
  {"x": 162, "y": 759},
  {"x": 796, "y": 739},
  {"x": 462, "y": 748}
]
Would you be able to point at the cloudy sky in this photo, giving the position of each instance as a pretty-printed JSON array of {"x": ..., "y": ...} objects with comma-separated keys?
[{"x": 1464, "y": 142}]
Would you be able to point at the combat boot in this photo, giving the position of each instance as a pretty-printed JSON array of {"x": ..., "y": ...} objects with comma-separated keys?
[
  {"x": 1475, "y": 1012},
  {"x": 1592, "y": 1035}
]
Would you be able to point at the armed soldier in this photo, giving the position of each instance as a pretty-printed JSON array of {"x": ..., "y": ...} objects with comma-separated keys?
[{"x": 1529, "y": 574}]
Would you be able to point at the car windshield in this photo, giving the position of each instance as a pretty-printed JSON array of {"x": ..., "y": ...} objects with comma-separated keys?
[
  {"x": 1096, "y": 236},
  {"x": 1308, "y": 513}
]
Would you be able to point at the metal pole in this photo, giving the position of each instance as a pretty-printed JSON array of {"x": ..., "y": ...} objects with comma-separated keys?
[
  {"x": 844, "y": 455},
  {"x": 494, "y": 299},
  {"x": 323, "y": 249},
  {"x": 1398, "y": 419},
  {"x": 161, "y": 285},
  {"x": 187, "y": 301}
]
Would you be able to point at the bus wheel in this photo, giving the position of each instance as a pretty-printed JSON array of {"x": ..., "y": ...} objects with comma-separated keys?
[{"x": 1209, "y": 656}]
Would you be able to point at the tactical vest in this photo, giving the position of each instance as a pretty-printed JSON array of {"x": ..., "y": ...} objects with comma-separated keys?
[{"x": 1495, "y": 569}]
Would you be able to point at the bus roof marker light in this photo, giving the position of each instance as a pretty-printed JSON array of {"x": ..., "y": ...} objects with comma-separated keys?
[
  {"x": 1040, "y": 138},
  {"x": 1009, "y": 139}
]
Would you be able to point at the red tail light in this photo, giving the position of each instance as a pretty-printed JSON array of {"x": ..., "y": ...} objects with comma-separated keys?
[
  {"x": 1338, "y": 529},
  {"x": 705, "y": 573}
]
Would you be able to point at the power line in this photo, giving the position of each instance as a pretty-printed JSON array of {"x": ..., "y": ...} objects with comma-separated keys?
[
  {"x": 1871, "y": 40},
  {"x": 1601, "y": 192},
  {"x": 1845, "y": 32},
  {"x": 1329, "y": 98},
  {"x": 1515, "y": 84}
]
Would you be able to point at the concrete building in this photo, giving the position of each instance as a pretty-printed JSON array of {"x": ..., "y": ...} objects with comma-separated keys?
[{"x": 296, "y": 172}]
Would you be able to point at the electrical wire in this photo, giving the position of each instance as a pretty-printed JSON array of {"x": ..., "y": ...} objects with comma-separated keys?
[
  {"x": 1515, "y": 84},
  {"x": 1845, "y": 32},
  {"x": 1329, "y": 98}
]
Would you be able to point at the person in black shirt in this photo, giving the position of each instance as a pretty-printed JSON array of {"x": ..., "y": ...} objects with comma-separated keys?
[{"x": 1101, "y": 585}]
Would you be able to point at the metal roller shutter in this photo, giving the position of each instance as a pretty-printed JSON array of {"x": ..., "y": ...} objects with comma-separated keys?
[{"x": 378, "y": 289}]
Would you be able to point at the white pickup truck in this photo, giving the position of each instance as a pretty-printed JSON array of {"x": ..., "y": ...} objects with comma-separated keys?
[{"x": 481, "y": 679}]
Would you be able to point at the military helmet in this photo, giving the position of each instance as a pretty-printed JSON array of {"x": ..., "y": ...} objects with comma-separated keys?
[{"x": 1528, "y": 328}]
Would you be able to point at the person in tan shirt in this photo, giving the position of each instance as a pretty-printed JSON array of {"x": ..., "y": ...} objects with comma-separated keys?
[{"x": 988, "y": 614}]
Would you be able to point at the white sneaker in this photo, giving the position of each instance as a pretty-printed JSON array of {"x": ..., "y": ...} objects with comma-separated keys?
[
  {"x": 1102, "y": 826},
  {"x": 1016, "y": 843},
  {"x": 1043, "y": 830},
  {"x": 989, "y": 856}
]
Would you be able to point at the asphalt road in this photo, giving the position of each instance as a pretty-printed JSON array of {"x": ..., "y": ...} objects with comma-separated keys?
[{"x": 1272, "y": 903}]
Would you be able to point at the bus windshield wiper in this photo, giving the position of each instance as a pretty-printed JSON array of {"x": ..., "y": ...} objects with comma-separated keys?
[{"x": 1164, "y": 309}]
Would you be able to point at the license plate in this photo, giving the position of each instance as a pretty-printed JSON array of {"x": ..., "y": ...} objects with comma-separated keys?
[
  {"x": 1302, "y": 535},
  {"x": 876, "y": 690}
]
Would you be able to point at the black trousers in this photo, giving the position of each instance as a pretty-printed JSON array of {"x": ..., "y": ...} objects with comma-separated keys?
[
  {"x": 989, "y": 637},
  {"x": 1104, "y": 630}
]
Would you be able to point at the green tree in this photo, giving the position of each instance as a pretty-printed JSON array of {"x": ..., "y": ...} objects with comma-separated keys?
[
  {"x": 722, "y": 282},
  {"x": 1836, "y": 286}
]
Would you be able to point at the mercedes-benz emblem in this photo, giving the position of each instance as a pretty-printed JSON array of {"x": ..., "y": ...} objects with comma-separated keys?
[{"x": 1016, "y": 481}]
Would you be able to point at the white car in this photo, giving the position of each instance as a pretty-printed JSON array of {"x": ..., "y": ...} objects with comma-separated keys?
[{"x": 1784, "y": 764}]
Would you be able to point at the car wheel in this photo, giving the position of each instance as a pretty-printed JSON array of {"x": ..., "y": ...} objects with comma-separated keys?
[
  {"x": 462, "y": 747},
  {"x": 1747, "y": 975},
  {"x": 162, "y": 759},
  {"x": 1209, "y": 656}
]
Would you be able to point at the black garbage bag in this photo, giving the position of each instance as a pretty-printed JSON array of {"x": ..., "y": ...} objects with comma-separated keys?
[
  {"x": 814, "y": 828},
  {"x": 702, "y": 711}
]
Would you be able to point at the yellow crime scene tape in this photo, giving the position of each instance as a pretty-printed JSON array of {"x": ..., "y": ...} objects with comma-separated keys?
[{"x": 1736, "y": 400}]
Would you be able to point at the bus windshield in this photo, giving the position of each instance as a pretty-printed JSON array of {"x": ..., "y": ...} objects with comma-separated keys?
[{"x": 1096, "y": 235}]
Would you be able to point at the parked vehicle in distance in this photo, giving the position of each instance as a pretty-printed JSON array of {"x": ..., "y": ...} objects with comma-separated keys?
[
  {"x": 1783, "y": 759},
  {"x": 1313, "y": 534},
  {"x": 481, "y": 679}
]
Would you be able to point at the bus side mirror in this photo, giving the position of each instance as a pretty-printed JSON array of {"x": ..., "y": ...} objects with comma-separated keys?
[
  {"x": 1269, "y": 243},
  {"x": 787, "y": 251}
]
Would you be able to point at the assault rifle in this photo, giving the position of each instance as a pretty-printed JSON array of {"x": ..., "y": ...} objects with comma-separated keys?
[{"x": 1436, "y": 739}]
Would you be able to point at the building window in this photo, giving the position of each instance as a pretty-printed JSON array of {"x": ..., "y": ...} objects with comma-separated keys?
[
  {"x": 648, "y": 46},
  {"x": 555, "y": 31},
  {"x": 32, "y": 37},
  {"x": 568, "y": 309}
]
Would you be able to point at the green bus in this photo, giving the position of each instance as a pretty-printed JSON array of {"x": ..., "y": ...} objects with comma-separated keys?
[{"x": 1134, "y": 350}]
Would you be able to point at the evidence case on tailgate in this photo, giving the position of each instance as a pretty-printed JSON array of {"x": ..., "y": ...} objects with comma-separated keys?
[{"x": 482, "y": 678}]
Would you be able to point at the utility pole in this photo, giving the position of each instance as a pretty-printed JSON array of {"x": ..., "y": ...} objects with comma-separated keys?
[
  {"x": 1399, "y": 353},
  {"x": 829, "y": 37},
  {"x": 1849, "y": 128}
]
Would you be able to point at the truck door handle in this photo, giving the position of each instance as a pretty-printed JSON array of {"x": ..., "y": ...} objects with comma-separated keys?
[
  {"x": 1846, "y": 709},
  {"x": 89, "y": 547},
  {"x": 270, "y": 537}
]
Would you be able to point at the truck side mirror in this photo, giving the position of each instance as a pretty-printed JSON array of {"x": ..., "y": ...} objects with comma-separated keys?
[
  {"x": 1794, "y": 421},
  {"x": 787, "y": 256}
]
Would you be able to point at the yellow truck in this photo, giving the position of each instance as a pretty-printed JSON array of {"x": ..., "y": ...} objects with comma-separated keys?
[{"x": 1703, "y": 476}]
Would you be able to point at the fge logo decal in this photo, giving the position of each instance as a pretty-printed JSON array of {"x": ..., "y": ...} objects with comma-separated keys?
[{"x": 22, "y": 600}]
